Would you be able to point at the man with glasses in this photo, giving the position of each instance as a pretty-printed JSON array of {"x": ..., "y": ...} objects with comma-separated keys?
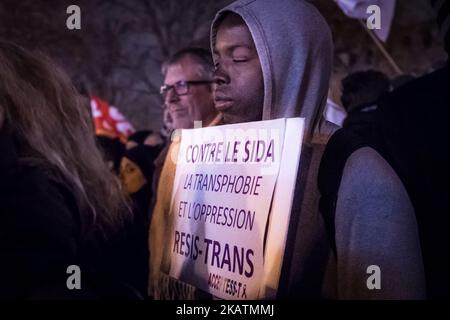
[
  {"x": 188, "y": 96},
  {"x": 187, "y": 89}
]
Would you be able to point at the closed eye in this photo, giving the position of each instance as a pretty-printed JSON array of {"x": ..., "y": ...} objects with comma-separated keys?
[{"x": 240, "y": 60}]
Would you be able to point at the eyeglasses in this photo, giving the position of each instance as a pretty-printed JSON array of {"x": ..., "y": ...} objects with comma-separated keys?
[{"x": 180, "y": 87}]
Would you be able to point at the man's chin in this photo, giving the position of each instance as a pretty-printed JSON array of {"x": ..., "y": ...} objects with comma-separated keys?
[
  {"x": 183, "y": 124},
  {"x": 230, "y": 118}
]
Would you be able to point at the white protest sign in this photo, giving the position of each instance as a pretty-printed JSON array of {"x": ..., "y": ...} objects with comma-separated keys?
[{"x": 223, "y": 194}]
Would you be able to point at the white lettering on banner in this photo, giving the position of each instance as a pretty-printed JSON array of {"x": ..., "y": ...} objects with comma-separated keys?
[{"x": 224, "y": 185}]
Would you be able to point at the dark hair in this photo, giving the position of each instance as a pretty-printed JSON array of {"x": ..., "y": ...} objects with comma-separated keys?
[
  {"x": 361, "y": 89},
  {"x": 200, "y": 55},
  {"x": 112, "y": 149},
  {"x": 140, "y": 136},
  {"x": 401, "y": 80},
  {"x": 442, "y": 9}
]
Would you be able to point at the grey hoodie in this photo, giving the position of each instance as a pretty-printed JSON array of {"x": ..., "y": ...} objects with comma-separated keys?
[
  {"x": 294, "y": 46},
  {"x": 374, "y": 217},
  {"x": 295, "y": 50}
]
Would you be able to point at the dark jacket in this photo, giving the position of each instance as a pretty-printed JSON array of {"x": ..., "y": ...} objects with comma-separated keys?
[
  {"x": 40, "y": 237},
  {"x": 414, "y": 127},
  {"x": 408, "y": 131}
]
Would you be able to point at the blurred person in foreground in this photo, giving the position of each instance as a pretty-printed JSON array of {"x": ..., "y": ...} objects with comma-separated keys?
[{"x": 60, "y": 204}]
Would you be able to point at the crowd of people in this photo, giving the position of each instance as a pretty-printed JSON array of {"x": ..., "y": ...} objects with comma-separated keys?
[{"x": 378, "y": 193}]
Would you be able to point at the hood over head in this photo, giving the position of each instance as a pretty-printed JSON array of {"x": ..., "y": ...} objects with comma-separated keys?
[{"x": 295, "y": 50}]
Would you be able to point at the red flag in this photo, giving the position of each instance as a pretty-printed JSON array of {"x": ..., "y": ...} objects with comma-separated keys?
[{"x": 109, "y": 121}]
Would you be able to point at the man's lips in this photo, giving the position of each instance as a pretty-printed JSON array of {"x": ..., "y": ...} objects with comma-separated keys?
[
  {"x": 178, "y": 110},
  {"x": 223, "y": 103}
]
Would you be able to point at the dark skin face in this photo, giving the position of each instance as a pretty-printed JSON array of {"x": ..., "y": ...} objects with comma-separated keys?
[{"x": 239, "y": 89}]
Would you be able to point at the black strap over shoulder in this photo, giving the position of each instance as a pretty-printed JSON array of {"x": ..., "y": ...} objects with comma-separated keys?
[
  {"x": 341, "y": 145},
  {"x": 409, "y": 130}
]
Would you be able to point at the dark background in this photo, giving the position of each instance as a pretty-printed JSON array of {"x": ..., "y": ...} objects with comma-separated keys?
[{"x": 118, "y": 52}]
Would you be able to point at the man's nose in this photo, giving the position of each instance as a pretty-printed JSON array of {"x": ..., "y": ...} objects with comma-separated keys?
[
  {"x": 221, "y": 76},
  {"x": 171, "y": 96}
]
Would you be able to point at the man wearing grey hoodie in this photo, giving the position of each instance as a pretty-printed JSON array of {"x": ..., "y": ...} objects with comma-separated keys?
[{"x": 273, "y": 60}]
